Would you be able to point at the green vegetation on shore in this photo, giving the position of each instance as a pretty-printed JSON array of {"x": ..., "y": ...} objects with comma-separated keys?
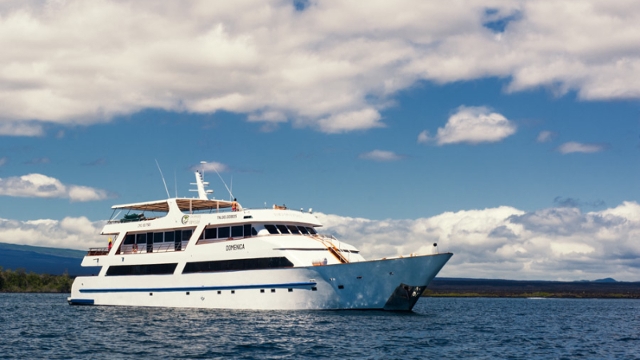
[
  {"x": 20, "y": 281},
  {"x": 493, "y": 288},
  {"x": 565, "y": 295}
]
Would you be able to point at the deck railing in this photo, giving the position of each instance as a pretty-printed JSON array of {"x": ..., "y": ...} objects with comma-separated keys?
[{"x": 98, "y": 251}]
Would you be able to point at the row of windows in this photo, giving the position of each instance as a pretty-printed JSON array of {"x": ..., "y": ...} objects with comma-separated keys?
[
  {"x": 153, "y": 269},
  {"x": 224, "y": 232},
  {"x": 173, "y": 236},
  {"x": 289, "y": 229},
  {"x": 238, "y": 264},
  {"x": 202, "y": 266}
]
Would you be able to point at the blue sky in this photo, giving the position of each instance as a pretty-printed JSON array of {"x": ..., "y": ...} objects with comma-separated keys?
[{"x": 510, "y": 139}]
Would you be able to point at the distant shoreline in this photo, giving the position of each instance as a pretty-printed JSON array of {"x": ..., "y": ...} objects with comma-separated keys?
[{"x": 448, "y": 287}]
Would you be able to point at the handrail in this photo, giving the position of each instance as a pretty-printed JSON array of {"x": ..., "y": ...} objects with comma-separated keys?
[
  {"x": 328, "y": 243},
  {"x": 98, "y": 251}
]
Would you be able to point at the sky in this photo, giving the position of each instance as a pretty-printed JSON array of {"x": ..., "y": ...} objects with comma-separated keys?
[{"x": 507, "y": 132}]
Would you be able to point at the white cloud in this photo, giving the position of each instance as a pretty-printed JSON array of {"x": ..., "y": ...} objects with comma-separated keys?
[
  {"x": 380, "y": 155},
  {"x": 3, "y": 160},
  {"x": 15, "y": 128},
  {"x": 424, "y": 137},
  {"x": 333, "y": 66},
  {"x": 471, "y": 125},
  {"x": 576, "y": 147},
  {"x": 69, "y": 233},
  {"x": 504, "y": 242},
  {"x": 349, "y": 121},
  {"x": 43, "y": 186},
  {"x": 212, "y": 166},
  {"x": 545, "y": 136}
]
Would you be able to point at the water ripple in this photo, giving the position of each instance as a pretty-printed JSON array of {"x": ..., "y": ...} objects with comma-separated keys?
[{"x": 44, "y": 326}]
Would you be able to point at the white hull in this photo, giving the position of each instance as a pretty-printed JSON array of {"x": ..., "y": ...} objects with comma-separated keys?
[{"x": 390, "y": 284}]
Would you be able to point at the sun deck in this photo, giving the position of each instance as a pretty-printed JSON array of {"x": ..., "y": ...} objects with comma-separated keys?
[{"x": 185, "y": 205}]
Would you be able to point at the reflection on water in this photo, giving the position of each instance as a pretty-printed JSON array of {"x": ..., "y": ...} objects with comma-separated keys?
[{"x": 44, "y": 326}]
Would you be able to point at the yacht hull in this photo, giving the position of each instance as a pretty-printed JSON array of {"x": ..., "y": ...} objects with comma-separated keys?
[{"x": 388, "y": 284}]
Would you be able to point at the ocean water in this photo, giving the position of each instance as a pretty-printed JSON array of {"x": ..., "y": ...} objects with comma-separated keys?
[{"x": 44, "y": 326}]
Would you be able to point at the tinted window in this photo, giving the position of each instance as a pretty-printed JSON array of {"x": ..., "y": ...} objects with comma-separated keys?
[
  {"x": 158, "y": 237},
  {"x": 237, "y": 231},
  {"x": 247, "y": 230},
  {"x": 130, "y": 239},
  {"x": 239, "y": 264},
  {"x": 168, "y": 236},
  {"x": 303, "y": 229},
  {"x": 224, "y": 232},
  {"x": 283, "y": 229},
  {"x": 186, "y": 235},
  {"x": 293, "y": 229},
  {"x": 141, "y": 238},
  {"x": 271, "y": 229},
  {"x": 154, "y": 269},
  {"x": 210, "y": 233},
  {"x": 311, "y": 230}
]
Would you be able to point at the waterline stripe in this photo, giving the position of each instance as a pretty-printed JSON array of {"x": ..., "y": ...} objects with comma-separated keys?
[
  {"x": 202, "y": 288},
  {"x": 80, "y": 301}
]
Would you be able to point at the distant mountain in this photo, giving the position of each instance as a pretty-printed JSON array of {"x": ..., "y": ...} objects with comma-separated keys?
[
  {"x": 43, "y": 260},
  {"x": 606, "y": 280}
]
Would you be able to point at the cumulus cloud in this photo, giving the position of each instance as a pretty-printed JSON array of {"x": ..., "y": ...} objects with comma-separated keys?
[
  {"x": 68, "y": 233},
  {"x": 381, "y": 155},
  {"x": 43, "y": 186},
  {"x": 503, "y": 242},
  {"x": 472, "y": 125},
  {"x": 329, "y": 65},
  {"x": 548, "y": 244},
  {"x": 576, "y": 147}
]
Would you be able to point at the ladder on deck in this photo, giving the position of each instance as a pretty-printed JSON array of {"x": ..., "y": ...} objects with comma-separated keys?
[{"x": 334, "y": 250}]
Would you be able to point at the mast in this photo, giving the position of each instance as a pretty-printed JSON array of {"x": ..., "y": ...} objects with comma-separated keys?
[{"x": 201, "y": 185}]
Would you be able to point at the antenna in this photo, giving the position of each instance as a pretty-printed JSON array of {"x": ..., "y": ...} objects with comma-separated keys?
[
  {"x": 164, "y": 182},
  {"x": 216, "y": 170}
]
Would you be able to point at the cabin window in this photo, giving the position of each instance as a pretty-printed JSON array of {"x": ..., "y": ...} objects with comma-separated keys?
[
  {"x": 153, "y": 269},
  {"x": 283, "y": 229},
  {"x": 141, "y": 238},
  {"x": 224, "y": 232},
  {"x": 238, "y": 264},
  {"x": 169, "y": 236},
  {"x": 237, "y": 231},
  {"x": 129, "y": 239},
  {"x": 303, "y": 230},
  {"x": 311, "y": 230},
  {"x": 211, "y": 233},
  {"x": 271, "y": 229},
  {"x": 247, "y": 230},
  {"x": 186, "y": 235},
  {"x": 253, "y": 231},
  {"x": 293, "y": 229},
  {"x": 158, "y": 237}
]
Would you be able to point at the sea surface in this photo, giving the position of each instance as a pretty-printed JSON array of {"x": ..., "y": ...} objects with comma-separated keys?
[{"x": 44, "y": 326}]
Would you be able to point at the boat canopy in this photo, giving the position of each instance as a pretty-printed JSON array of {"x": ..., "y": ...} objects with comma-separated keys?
[{"x": 183, "y": 205}]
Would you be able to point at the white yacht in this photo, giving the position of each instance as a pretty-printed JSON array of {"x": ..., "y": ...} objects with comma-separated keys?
[{"x": 208, "y": 253}]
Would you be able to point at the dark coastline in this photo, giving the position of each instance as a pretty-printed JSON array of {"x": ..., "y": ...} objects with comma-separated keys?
[{"x": 452, "y": 287}]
